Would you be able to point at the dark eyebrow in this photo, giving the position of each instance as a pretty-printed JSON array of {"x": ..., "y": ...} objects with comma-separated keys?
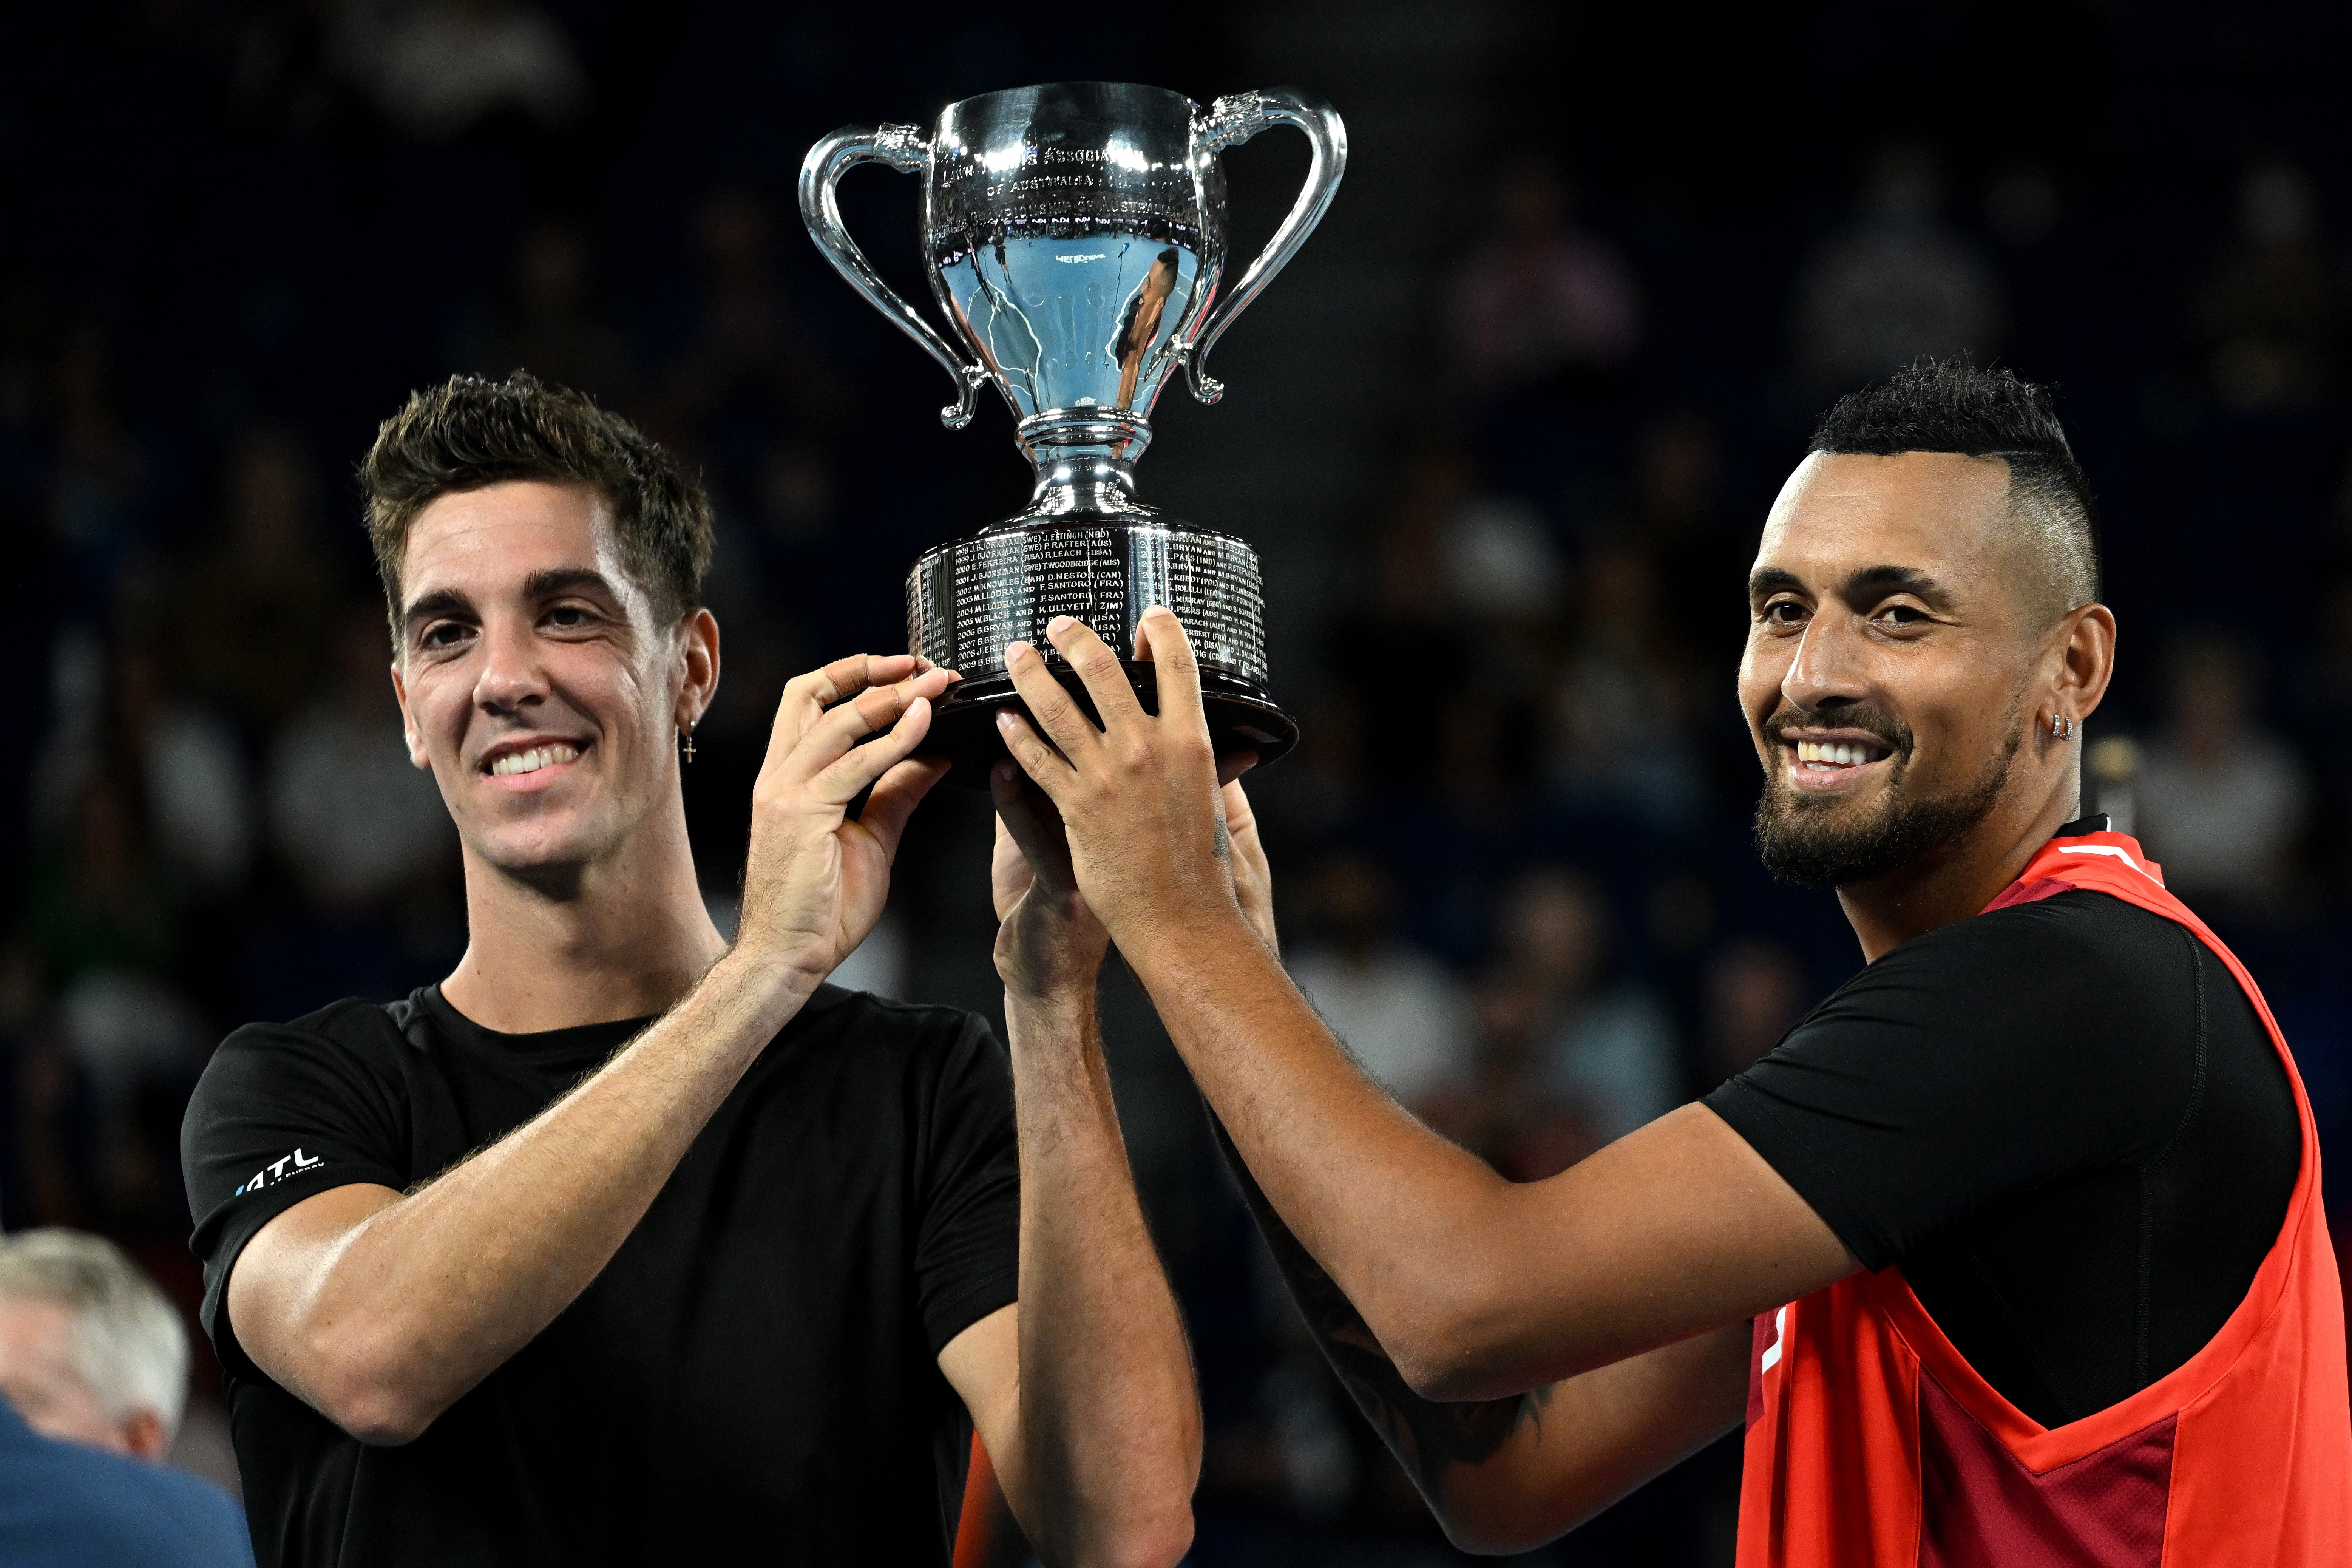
[
  {"x": 431, "y": 607},
  {"x": 1873, "y": 582},
  {"x": 1870, "y": 582},
  {"x": 562, "y": 579}
]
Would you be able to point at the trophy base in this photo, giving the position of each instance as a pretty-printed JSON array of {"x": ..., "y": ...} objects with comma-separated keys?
[{"x": 963, "y": 723}]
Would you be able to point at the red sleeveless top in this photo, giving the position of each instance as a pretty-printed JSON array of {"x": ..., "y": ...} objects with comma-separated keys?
[{"x": 1871, "y": 1441}]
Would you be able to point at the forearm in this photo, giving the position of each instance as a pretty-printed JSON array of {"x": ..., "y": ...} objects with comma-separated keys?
[
  {"x": 1428, "y": 1437},
  {"x": 1509, "y": 1473},
  {"x": 403, "y": 1312},
  {"x": 1111, "y": 1424},
  {"x": 1417, "y": 1233}
]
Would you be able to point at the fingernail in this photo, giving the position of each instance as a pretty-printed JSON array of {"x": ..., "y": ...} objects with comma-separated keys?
[
  {"x": 1015, "y": 649},
  {"x": 1058, "y": 623},
  {"x": 1005, "y": 771},
  {"x": 1004, "y": 719},
  {"x": 1158, "y": 609}
]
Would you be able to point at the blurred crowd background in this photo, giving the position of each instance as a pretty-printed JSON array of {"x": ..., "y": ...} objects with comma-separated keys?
[{"x": 1505, "y": 435}]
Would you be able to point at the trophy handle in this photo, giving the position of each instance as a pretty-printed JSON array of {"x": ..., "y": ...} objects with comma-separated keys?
[
  {"x": 1231, "y": 122},
  {"x": 903, "y": 148}
]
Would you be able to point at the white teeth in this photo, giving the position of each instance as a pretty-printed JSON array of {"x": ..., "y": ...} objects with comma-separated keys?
[
  {"x": 1834, "y": 753},
  {"x": 531, "y": 762}
]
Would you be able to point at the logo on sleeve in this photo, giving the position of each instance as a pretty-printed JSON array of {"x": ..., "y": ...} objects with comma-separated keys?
[{"x": 278, "y": 1171}]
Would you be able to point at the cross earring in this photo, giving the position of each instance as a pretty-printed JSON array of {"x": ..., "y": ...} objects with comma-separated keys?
[{"x": 688, "y": 735}]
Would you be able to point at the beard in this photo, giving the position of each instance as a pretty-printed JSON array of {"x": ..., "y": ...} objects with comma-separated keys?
[{"x": 1827, "y": 842}]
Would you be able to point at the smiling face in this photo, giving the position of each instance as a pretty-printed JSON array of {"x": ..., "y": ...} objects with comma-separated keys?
[
  {"x": 535, "y": 681},
  {"x": 1890, "y": 661}
]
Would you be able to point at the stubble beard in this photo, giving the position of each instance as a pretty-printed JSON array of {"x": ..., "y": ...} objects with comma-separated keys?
[{"x": 1818, "y": 842}]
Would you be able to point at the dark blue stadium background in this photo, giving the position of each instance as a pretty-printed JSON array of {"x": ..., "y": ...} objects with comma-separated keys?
[{"x": 229, "y": 246}]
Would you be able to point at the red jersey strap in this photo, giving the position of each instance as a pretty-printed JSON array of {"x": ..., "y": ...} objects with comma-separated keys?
[
  {"x": 2082, "y": 861},
  {"x": 1872, "y": 1442},
  {"x": 2113, "y": 864}
]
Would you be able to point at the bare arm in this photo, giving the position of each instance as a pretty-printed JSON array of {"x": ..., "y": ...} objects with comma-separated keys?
[
  {"x": 381, "y": 1309},
  {"x": 1477, "y": 1288},
  {"x": 1098, "y": 1444},
  {"x": 1509, "y": 1473}
]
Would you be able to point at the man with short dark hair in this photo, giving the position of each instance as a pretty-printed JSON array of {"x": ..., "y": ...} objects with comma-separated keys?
[
  {"x": 625, "y": 1244},
  {"x": 2011, "y": 1251}
]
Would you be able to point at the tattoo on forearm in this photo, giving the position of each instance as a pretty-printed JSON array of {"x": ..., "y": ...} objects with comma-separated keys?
[{"x": 1427, "y": 1435}]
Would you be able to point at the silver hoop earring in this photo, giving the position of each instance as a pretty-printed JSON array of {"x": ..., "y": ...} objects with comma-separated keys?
[{"x": 2062, "y": 727}]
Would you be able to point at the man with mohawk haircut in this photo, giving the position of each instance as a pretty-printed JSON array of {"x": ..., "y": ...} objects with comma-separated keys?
[{"x": 2011, "y": 1252}]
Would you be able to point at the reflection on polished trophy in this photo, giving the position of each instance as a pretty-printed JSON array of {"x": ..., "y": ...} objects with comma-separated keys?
[{"x": 1075, "y": 235}]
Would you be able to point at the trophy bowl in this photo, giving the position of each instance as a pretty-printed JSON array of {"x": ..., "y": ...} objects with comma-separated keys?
[{"x": 1074, "y": 237}]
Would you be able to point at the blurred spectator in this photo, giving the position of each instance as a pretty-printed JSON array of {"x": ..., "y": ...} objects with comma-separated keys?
[
  {"x": 357, "y": 823},
  {"x": 435, "y": 68},
  {"x": 189, "y": 767},
  {"x": 1501, "y": 570},
  {"x": 256, "y": 607},
  {"x": 2221, "y": 802},
  {"x": 1538, "y": 297},
  {"x": 1608, "y": 1049},
  {"x": 1754, "y": 993},
  {"x": 551, "y": 325},
  {"x": 199, "y": 807},
  {"x": 107, "y": 931},
  {"x": 1899, "y": 283},
  {"x": 1512, "y": 1111},
  {"x": 1677, "y": 493},
  {"x": 1400, "y": 1011},
  {"x": 2271, "y": 315},
  {"x": 96, "y": 900},
  {"x": 94, "y": 1373},
  {"x": 1619, "y": 709},
  {"x": 90, "y": 1350}
]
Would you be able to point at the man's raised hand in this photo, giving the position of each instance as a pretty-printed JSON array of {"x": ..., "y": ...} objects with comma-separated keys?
[
  {"x": 1049, "y": 945},
  {"x": 1140, "y": 797},
  {"x": 815, "y": 881}
]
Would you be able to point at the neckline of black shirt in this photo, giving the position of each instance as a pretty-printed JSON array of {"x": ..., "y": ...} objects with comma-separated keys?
[{"x": 557, "y": 1048}]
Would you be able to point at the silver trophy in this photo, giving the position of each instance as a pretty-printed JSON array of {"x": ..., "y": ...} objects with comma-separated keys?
[{"x": 1075, "y": 235}]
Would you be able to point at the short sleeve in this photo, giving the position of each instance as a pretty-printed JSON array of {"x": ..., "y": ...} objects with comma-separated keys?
[
  {"x": 282, "y": 1113},
  {"x": 1970, "y": 1067},
  {"x": 968, "y": 1241}
]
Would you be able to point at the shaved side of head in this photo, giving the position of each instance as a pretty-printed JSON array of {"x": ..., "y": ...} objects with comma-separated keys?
[{"x": 1955, "y": 407}]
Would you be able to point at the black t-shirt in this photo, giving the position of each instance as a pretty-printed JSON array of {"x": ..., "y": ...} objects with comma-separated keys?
[
  {"x": 2066, "y": 1123},
  {"x": 755, "y": 1370}
]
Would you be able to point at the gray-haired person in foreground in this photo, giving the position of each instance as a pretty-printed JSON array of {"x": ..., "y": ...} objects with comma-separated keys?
[
  {"x": 90, "y": 1350},
  {"x": 93, "y": 1381}
]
